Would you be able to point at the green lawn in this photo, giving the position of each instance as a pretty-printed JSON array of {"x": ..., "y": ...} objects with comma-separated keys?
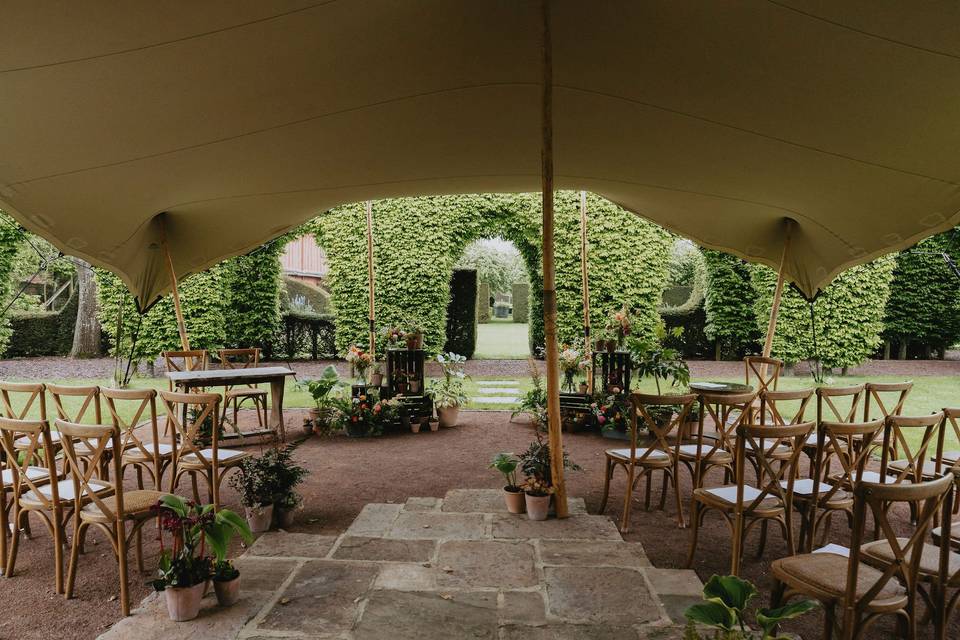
[{"x": 501, "y": 340}]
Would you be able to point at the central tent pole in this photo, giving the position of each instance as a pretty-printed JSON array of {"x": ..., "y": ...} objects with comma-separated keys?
[
  {"x": 370, "y": 285},
  {"x": 585, "y": 274},
  {"x": 181, "y": 325},
  {"x": 777, "y": 295},
  {"x": 549, "y": 277}
]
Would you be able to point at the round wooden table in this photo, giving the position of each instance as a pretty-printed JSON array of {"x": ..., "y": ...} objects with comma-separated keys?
[{"x": 722, "y": 388}]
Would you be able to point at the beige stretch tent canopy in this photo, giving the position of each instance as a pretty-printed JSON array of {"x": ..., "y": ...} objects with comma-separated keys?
[{"x": 243, "y": 118}]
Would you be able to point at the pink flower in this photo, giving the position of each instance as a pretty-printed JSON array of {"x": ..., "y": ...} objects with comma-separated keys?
[{"x": 601, "y": 419}]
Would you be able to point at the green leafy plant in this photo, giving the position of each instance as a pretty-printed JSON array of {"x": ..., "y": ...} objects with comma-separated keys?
[
  {"x": 650, "y": 358},
  {"x": 506, "y": 464},
  {"x": 535, "y": 462},
  {"x": 224, "y": 571},
  {"x": 368, "y": 415},
  {"x": 196, "y": 530},
  {"x": 448, "y": 391},
  {"x": 284, "y": 476},
  {"x": 725, "y": 609},
  {"x": 320, "y": 388},
  {"x": 533, "y": 403}
]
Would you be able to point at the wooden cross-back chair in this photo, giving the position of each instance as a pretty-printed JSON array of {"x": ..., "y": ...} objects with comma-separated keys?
[
  {"x": 775, "y": 412},
  {"x": 86, "y": 408},
  {"x": 910, "y": 463},
  {"x": 850, "y": 443},
  {"x": 187, "y": 412},
  {"x": 951, "y": 458},
  {"x": 834, "y": 405},
  {"x": 22, "y": 399},
  {"x": 237, "y": 395},
  {"x": 885, "y": 399},
  {"x": 144, "y": 452},
  {"x": 853, "y": 591},
  {"x": 662, "y": 420},
  {"x": 192, "y": 360},
  {"x": 727, "y": 412},
  {"x": 104, "y": 504},
  {"x": 764, "y": 372},
  {"x": 32, "y": 491},
  {"x": 743, "y": 504}
]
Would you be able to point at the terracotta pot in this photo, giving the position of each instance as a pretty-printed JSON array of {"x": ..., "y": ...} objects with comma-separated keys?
[
  {"x": 183, "y": 603},
  {"x": 415, "y": 341},
  {"x": 260, "y": 519},
  {"x": 448, "y": 416},
  {"x": 434, "y": 425},
  {"x": 601, "y": 345},
  {"x": 415, "y": 427},
  {"x": 228, "y": 591},
  {"x": 583, "y": 387},
  {"x": 611, "y": 346},
  {"x": 376, "y": 379},
  {"x": 415, "y": 386},
  {"x": 401, "y": 387},
  {"x": 514, "y": 500},
  {"x": 285, "y": 517},
  {"x": 537, "y": 506}
]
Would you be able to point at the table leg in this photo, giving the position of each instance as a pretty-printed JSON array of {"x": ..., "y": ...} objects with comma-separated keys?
[{"x": 276, "y": 408}]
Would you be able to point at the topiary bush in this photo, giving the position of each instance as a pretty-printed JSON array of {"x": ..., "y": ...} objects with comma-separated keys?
[
  {"x": 483, "y": 303},
  {"x": 521, "y": 302},
  {"x": 728, "y": 302},
  {"x": 253, "y": 290},
  {"x": 315, "y": 299},
  {"x": 462, "y": 314}
]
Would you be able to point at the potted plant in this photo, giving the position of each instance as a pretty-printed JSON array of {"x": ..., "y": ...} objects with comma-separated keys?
[
  {"x": 226, "y": 583},
  {"x": 413, "y": 334},
  {"x": 573, "y": 362},
  {"x": 376, "y": 377},
  {"x": 283, "y": 476},
  {"x": 413, "y": 384},
  {"x": 724, "y": 609},
  {"x": 400, "y": 378},
  {"x": 612, "y": 415},
  {"x": 649, "y": 357},
  {"x": 619, "y": 326},
  {"x": 447, "y": 393},
  {"x": 184, "y": 567},
  {"x": 320, "y": 390},
  {"x": 255, "y": 486},
  {"x": 537, "y": 494},
  {"x": 359, "y": 361},
  {"x": 367, "y": 415},
  {"x": 394, "y": 336},
  {"x": 506, "y": 464},
  {"x": 533, "y": 403}
]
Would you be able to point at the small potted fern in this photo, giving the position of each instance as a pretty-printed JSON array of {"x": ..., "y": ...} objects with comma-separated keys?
[
  {"x": 447, "y": 393},
  {"x": 506, "y": 464}
]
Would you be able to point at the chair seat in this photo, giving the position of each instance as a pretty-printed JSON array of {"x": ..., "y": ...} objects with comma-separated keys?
[
  {"x": 135, "y": 503},
  {"x": 655, "y": 455},
  {"x": 804, "y": 487},
  {"x": 826, "y": 574},
  {"x": 950, "y": 457},
  {"x": 937, "y": 532},
  {"x": 224, "y": 456},
  {"x": 136, "y": 454},
  {"x": 23, "y": 443},
  {"x": 65, "y": 491},
  {"x": 873, "y": 476},
  {"x": 720, "y": 456},
  {"x": 726, "y": 497},
  {"x": 881, "y": 552},
  {"x": 32, "y": 473},
  {"x": 836, "y": 549},
  {"x": 929, "y": 467},
  {"x": 84, "y": 450},
  {"x": 245, "y": 393}
]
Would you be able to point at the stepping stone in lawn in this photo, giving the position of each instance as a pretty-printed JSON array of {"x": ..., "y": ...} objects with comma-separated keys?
[
  {"x": 512, "y": 391},
  {"x": 494, "y": 400},
  {"x": 496, "y": 383}
]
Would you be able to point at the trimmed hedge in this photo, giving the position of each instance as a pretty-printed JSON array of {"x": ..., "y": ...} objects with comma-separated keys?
[
  {"x": 317, "y": 300},
  {"x": 42, "y": 333},
  {"x": 483, "y": 303},
  {"x": 417, "y": 242},
  {"x": 462, "y": 313},
  {"x": 728, "y": 301},
  {"x": 521, "y": 302}
]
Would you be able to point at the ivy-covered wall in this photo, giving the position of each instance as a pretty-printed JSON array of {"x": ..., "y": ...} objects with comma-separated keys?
[
  {"x": 848, "y": 315},
  {"x": 418, "y": 240},
  {"x": 11, "y": 238},
  {"x": 924, "y": 303}
]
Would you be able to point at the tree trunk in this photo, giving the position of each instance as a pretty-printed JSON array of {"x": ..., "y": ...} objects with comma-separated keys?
[
  {"x": 903, "y": 349},
  {"x": 86, "y": 332}
]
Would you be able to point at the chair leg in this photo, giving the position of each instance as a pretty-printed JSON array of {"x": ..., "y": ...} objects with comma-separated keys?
[
  {"x": 58, "y": 536},
  {"x": 5, "y": 523},
  {"x": 695, "y": 517},
  {"x": 606, "y": 485},
  {"x": 121, "y": 533},
  {"x": 646, "y": 495},
  {"x": 196, "y": 488},
  {"x": 663, "y": 488},
  {"x": 625, "y": 517},
  {"x": 78, "y": 535},
  {"x": 19, "y": 515},
  {"x": 675, "y": 477},
  {"x": 236, "y": 425},
  {"x": 776, "y": 596},
  {"x": 763, "y": 537}
]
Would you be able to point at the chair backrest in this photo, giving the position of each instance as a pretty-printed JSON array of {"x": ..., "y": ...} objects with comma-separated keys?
[
  {"x": 135, "y": 403},
  {"x": 911, "y": 459},
  {"x": 765, "y": 440},
  {"x": 727, "y": 412},
  {"x": 765, "y": 371},
  {"x": 98, "y": 439},
  {"x": 773, "y": 406},
  {"x": 650, "y": 409},
  {"x": 934, "y": 499},
  {"x": 239, "y": 358},
  {"x": 839, "y": 404},
  {"x": 20, "y": 397},
  {"x": 188, "y": 412},
  {"x": 39, "y": 447},
  {"x": 951, "y": 419},
  {"x": 85, "y": 398},
  {"x": 193, "y": 360},
  {"x": 886, "y": 397},
  {"x": 850, "y": 443}
]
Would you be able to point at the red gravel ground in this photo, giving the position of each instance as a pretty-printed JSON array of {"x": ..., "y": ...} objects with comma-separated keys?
[{"x": 348, "y": 473}]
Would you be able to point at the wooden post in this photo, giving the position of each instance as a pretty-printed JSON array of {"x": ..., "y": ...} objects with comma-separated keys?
[
  {"x": 371, "y": 316},
  {"x": 585, "y": 275},
  {"x": 181, "y": 326},
  {"x": 549, "y": 275},
  {"x": 777, "y": 295}
]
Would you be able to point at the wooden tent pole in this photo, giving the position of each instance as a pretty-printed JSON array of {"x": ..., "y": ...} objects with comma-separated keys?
[
  {"x": 370, "y": 280},
  {"x": 777, "y": 295},
  {"x": 549, "y": 275},
  {"x": 585, "y": 275},
  {"x": 181, "y": 325}
]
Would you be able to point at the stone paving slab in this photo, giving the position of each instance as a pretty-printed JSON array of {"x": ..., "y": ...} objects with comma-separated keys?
[
  {"x": 214, "y": 621},
  {"x": 427, "y": 616},
  {"x": 495, "y": 399},
  {"x": 496, "y": 383},
  {"x": 586, "y": 553},
  {"x": 507, "y": 526},
  {"x": 430, "y": 525},
  {"x": 263, "y": 573},
  {"x": 422, "y": 504},
  {"x": 374, "y": 520},
  {"x": 467, "y": 564},
  {"x": 323, "y": 597},
  {"x": 569, "y": 632},
  {"x": 491, "y": 501},
  {"x": 604, "y": 595},
  {"x": 292, "y": 545},
  {"x": 384, "y": 550}
]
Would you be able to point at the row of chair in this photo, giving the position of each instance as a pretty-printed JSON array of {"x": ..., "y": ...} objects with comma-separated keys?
[{"x": 71, "y": 473}]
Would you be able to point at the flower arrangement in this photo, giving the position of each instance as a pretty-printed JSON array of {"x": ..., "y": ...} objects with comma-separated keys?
[
  {"x": 573, "y": 361},
  {"x": 367, "y": 415},
  {"x": 538, "y": 488},
  {"x": 359, "y": 361},
  {"x": 394, "y": 335},
  {"x": 610, "y": 412},
  {"x": 620, "y": 324}
]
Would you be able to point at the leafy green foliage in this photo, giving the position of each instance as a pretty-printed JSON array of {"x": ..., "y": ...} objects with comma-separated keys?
[
  {"x": 497, "y": 266},
  {"x": 42, "y": 333},
  {"x": 848, "y": 315},
  {"x": 730, "y": 314},
  {"x": 448, "y": 390},
  {"x": 418, "y": 240},
  {"x": 924, "y": 303},
  {"x": 650, "y": 358},
  {"x": 268, "y": 479},
  {"x": 11, "y": 242},
  {"x": 521, "y": 302},
  {"x": 252, "y": 289},
  {"x": 483, "y": 303},
  {"x": 462, "y": 313},
  {"x": 506, "y": 464}
]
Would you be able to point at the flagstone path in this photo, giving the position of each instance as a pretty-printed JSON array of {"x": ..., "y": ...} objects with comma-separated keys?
[
  {"x": 504, "y": 392},
  {"x": 457, "y": 567}
]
